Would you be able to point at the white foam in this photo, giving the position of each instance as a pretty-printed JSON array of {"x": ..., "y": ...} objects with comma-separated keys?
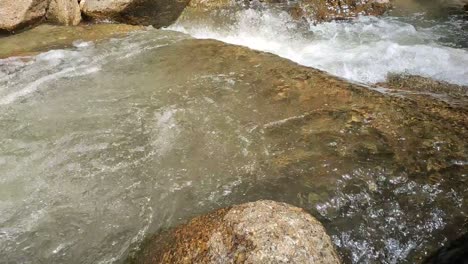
[{"x": 365, "y": 50}]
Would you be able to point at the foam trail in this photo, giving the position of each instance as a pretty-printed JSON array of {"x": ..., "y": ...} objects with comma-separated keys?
[
  {"x": 34, "y": 86},
  {"x": 21, "y": 77}
]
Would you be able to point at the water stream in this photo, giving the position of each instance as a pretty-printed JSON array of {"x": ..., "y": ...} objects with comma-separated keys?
[
  {"x": 364, "y": 50},
  {"x": 105, "y": 143}
]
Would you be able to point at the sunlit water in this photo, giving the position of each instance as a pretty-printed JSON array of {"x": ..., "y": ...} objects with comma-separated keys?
[
  {"x": 364, "y": 50},
  {"x": 103, "y": 144}
]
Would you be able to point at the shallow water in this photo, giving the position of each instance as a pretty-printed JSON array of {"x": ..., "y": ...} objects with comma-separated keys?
[
  {"x": 103, "y": 144},
  {"x": 363, "y": 50}
]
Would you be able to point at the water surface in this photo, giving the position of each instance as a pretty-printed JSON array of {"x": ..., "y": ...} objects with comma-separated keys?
[
  {"x": 103, "y": 144},
  {"x": 365, "y": 49}
]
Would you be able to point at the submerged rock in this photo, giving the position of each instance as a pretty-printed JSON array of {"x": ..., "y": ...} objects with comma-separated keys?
[
  {"x": 47, "y": 37},
  {"x": 18, "y": 14},
  {"x": 435, "y": 8},
  {"x": 257, "y": 232},
  {"x": 424, "y": 84},
  {"x": 454, "y": 252},
  {"x": 158, "y": 13}
]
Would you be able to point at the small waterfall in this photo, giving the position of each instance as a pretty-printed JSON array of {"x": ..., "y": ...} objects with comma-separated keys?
[{"x": 364, "y": 50}]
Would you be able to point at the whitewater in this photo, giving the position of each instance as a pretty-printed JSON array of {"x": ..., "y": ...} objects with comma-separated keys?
[{"x": 365, "y": 50}]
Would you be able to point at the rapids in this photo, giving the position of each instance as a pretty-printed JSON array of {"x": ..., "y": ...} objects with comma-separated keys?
[
  {"x": 103, "y": 144},
  {"x": 364, "y": 50}
]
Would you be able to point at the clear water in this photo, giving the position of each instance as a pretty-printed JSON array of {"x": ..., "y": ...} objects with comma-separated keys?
[
  {"x": 103, "y": 144},
  {"x": 364, "y": 50}
]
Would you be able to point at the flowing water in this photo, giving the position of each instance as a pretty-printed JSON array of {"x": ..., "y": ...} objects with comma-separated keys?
[
  {"x": 364, "y": 50},
  {"x": 105, "y": 143}
]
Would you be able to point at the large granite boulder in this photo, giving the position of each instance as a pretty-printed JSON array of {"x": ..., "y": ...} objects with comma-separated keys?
[
  {"x": 257, "y": 232},
  {"x": 18, "y": 14},
  {"x": 64, "y": 12},
  {"x": 158, "y": 13}
]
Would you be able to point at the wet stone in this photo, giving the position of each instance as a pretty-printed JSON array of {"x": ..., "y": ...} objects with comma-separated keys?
[{"x": 257, "y": 232}]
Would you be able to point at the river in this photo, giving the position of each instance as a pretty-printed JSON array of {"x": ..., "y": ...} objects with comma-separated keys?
[{"x": 103, "y": 144}]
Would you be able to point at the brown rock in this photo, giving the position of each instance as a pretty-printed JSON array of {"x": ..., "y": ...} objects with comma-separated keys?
[
  {"x": 257, "y": 232},
  {"x": 64, "y": 12},
  {"x": 18, "y": 14},
  {"x": 103, "y": 9}
]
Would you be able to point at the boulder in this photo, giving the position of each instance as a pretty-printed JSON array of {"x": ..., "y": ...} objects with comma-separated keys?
[
  {"x": 257, "y": 232},
  {"x": 158, "y": 13},
  {"x": 18, "y": 14},
  {"x": 103, "y": 9},
  {"x": 64, "y": 12}
]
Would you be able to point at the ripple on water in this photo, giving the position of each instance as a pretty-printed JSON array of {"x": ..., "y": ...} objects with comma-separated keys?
[{"x": 396, "y": 221}]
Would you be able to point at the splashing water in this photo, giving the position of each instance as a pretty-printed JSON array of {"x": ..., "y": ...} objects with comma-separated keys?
[{"x": 364, "y": 50}]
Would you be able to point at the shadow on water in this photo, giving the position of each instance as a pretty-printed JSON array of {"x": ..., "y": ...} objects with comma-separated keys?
[{"x": 161, "y": 13}]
